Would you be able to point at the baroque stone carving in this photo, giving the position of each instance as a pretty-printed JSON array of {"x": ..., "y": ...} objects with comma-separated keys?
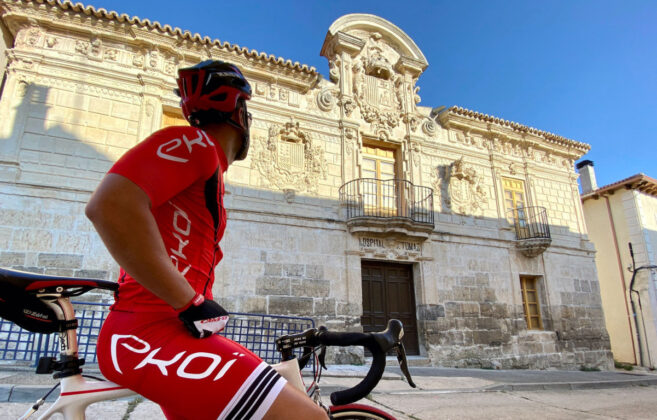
[
  {"x": 349, "y": 106},
  {"x": 416, "y": 97},
  {"x": 21, "y": 88},
  {"x": 381, "y": 93},
  {"x": 466, "y": 195},
  {"x": 412, "y": 120},
  {"x": 416, "y": 150},
  {"x": 32, "y": 37},
  {"x": 82, "y": 47},
  {"x": 334, "y": 69},
  {"x": 96, "y": 44},
  {"x": 287, "y": 159},
  {"x": 377, "y": 64},
  {"x": 111, "y": 55},
  {"x": 138, "y": 60},
  {"x": 51, "y": 41},
  {"x": 429, "y": 127},
  {"x": 325, "y": 100},
  {"x": 154, "y": 58}
]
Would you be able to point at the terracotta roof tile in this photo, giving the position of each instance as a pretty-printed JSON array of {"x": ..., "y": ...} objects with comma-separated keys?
[
  {"x": 639, "y": 182},
  {"x": 177, "y": 32},
  {"x": 553, "y": 138}
]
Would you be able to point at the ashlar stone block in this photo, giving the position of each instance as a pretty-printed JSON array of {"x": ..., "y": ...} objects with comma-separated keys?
[
  {"x": 12, "y": 259},
  {"x": 287, "y": 305},
  {"x": 312, "y": 288},
  {"x": 273, "y": 286},
  {"x": 60, "y": 260}
]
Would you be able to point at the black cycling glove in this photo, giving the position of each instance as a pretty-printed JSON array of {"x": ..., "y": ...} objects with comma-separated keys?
[{"x": 203, "y": 317}]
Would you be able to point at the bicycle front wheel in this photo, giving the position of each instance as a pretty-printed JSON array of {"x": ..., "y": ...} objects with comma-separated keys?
[{"x": 358, "y": 412}]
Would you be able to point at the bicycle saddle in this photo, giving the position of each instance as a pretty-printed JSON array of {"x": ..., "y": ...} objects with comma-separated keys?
[{"x": 31, "y": 282}]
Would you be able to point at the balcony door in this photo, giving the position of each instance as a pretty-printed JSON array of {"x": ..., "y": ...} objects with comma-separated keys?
[
  {"x": 515, "y": 203},
  {"x": 379, "y": 191}
]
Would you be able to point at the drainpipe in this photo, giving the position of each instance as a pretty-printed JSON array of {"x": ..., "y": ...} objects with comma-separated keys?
[
  {"x": 622, "y": 276},
  {"x": 634, "y": 314}
]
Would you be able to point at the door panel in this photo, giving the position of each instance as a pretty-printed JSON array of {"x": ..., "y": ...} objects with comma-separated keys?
[{"x": 388, "y": 293}]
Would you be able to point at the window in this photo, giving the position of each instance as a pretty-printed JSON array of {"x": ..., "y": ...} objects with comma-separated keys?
[
  {"x": 172, "y": 118},
  {"x": 378, "y": 163},
  {"x": 514, "y": 193},
  {"x": 514, "y": 202},
  {"x": 530, "y": 303},
  {"x": 378, "y": 168}
]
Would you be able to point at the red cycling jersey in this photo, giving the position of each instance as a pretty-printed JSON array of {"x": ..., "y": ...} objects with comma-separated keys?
[
  {"x": 143, "y": 345},
  {"x": 181, "y": 170}
]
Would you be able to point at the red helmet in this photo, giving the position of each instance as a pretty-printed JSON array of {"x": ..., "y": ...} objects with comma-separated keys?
[{"x": 215, "y": 92}]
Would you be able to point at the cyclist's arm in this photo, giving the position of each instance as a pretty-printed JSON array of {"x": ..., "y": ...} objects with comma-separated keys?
[{"x": 120, "y": 212}]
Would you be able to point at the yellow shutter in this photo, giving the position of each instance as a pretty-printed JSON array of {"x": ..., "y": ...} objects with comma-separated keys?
[
  {"x": 170, "y": 118},
  {"x": 530, "y": 303}
]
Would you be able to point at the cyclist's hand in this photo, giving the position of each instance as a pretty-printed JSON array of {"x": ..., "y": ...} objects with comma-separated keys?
[{"x": 203, "y": 317}]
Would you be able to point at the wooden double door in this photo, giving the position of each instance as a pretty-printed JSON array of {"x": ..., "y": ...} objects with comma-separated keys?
[{"x": 388, "y": 293}]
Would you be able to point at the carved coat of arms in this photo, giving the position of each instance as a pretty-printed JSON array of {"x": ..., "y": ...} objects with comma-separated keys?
[
  {"x": 465, "y": 193},
  {"x": 287, "y": 159}
]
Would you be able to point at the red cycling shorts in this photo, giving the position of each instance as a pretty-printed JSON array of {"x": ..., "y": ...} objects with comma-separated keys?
[{"x": 211, "y": 378}]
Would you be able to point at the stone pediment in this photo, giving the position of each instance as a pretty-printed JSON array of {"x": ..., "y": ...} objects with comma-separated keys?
[
  {"x": 352, "y": 32},
  {"x": 374, "y": 66}
]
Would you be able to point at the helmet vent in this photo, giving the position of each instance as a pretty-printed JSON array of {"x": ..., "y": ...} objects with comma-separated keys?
[{"x": 219, "y": 97}]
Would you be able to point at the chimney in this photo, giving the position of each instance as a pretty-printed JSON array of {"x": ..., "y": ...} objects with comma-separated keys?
[{"x": 587, "y": 176}]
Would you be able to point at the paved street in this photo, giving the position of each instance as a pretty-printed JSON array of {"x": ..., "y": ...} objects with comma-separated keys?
[
  {"x": 617, "y": 403},
  {"x": 441, "y": 394}
]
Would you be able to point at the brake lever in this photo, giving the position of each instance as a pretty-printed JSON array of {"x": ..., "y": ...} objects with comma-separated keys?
[
  {"x": 322, "y": 356},
  {"x": 403, "y": 364},
  {"x": 305, "y": 357}
]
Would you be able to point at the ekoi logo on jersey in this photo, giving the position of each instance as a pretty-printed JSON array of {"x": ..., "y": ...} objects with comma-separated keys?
[
  {"x": 182, "y": 227},
  {"x": 137, "y": 345},
  {"x": 174, "y": 150}
]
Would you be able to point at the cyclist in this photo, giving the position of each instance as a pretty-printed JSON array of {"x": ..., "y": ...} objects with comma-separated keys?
[{"x": 160, "y": 212}]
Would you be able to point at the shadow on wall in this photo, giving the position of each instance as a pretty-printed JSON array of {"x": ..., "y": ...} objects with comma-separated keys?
[{"x": 55, "y": 157}]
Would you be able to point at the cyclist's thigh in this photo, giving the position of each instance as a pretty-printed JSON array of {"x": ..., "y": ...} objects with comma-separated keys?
[{"x": 192, "y": 378}]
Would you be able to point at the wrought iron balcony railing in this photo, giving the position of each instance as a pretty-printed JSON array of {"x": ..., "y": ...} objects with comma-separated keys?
[
  {"x": 387, "y": 199},
  {"x": 532, "y": 229}
]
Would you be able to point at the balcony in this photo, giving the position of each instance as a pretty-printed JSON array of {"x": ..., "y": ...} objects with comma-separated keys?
[
  {"x": 393, "y": 206},
  {"x": 532, "y": 230}
]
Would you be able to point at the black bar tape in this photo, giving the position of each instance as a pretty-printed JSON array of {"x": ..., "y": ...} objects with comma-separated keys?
[{"x": 363, "y": 388}]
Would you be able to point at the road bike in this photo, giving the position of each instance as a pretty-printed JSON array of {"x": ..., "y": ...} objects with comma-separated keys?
[{"x": 41, "y": 304}]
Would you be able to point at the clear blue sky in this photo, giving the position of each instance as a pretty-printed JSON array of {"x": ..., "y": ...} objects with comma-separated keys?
[{"x": 582, "y": 69}]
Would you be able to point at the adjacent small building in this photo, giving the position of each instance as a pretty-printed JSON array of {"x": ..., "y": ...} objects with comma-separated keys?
[
  {"x": 618, "y": 215},
  {"x": 356, "y": 204}
]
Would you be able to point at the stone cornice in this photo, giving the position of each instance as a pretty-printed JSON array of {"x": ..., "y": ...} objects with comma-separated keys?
[
  {"x": 453, "y": 115},
  {"x": 135, "y": 31}
]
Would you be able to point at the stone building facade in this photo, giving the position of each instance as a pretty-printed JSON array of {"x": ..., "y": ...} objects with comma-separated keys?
[{"x": 355, "y": 204}]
